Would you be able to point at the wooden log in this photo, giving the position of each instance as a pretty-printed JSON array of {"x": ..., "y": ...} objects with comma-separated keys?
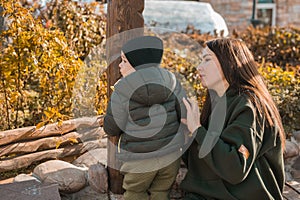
[
  {"x": 29, "y": 133},
  {"x": 26, "y": 160},
  {"x": 290, "y": 194},
  {"x": 295, "y": 185},
  {"x": 51, "y": 142},
  {"x": 121, "y": 16}
]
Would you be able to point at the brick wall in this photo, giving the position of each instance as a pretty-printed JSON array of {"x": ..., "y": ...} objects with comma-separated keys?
[
  {"x": 288, "y": 12},
  {"x": 237, "y": 13}
]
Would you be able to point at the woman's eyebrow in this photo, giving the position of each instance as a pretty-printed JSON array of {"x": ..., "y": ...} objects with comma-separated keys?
[{"x": 206, "y": 55}]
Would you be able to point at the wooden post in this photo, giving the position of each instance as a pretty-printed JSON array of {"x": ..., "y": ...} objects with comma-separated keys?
[
  {"x": 2, "y": 28},
  {"x": 121, "y": 16},
  {"x": 1, "y": 20}
]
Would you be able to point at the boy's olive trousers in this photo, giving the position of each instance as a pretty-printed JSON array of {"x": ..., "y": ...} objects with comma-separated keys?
[{"x": 154, "y": 185}]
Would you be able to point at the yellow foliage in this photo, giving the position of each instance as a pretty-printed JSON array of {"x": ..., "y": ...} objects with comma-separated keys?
[
  {"x": 73, "y": 140},
  {"x": 39, "y": 65},
  {"x": 37, "y": 70}
]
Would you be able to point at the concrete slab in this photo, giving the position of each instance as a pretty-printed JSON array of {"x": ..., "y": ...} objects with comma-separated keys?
[{"x": 29, "y": 190}]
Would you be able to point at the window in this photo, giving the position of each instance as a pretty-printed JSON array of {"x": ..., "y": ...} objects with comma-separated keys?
[{"x": 266, "y": 12}]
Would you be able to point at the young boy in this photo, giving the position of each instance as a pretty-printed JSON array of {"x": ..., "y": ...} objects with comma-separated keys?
[{"x": 145, "y": 111}]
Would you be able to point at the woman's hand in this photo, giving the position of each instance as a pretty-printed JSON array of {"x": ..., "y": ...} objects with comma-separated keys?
[{"x": 193, "y": 114}]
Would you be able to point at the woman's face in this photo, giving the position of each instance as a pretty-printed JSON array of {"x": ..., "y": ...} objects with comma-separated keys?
[
  {"x": 210, "y": 71},
  {"x": 125, "y": 66}
]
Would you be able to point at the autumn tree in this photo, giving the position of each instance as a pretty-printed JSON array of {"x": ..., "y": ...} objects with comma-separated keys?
[{"x": 37, "y": 71}]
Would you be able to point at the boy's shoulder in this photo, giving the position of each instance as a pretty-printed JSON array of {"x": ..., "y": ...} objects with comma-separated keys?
[
  {"x": 141, "y": 77},
  {"x": 148, "y": 74}
]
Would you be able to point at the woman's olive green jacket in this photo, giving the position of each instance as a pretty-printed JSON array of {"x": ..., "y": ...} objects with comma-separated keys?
[{"x": 246, "y": 159}]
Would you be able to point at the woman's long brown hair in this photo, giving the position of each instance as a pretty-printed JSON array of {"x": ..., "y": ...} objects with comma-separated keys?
[{"x": 240, "y": 71}]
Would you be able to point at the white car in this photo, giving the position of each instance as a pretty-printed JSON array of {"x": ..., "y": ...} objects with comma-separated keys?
[{"x": 177, "y": 15}]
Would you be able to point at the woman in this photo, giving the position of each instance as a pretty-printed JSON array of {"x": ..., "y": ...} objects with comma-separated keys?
[{"x": 237, "y": 152}]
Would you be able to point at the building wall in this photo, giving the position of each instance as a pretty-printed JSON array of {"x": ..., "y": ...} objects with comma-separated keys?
[
  {"x": 288, "y": 13},
  {"x": 237, "y": 13}
]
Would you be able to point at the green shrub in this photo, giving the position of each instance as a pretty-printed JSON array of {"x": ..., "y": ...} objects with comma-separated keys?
[
  {"x": 277, "y": 45},
  {"x": 284, "y": 86},
  {"x": 277, "y": 50},
  {"x": 37, "y": 71},
  {"x": 83, "y": 24}
]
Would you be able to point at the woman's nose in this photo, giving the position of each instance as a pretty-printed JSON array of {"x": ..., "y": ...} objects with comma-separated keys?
[{"x": 199, "y": 67}]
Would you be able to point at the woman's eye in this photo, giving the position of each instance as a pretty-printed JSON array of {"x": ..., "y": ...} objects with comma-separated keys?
[{"x": 206, "y": 58}]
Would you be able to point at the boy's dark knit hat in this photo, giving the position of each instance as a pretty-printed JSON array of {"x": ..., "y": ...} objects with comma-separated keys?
[{"x": 143, "y": 51}]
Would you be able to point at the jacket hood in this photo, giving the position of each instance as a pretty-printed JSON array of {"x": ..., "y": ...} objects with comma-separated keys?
[
  {"x": 144, "y": 50},
  {"x": 147, "y": 86}
]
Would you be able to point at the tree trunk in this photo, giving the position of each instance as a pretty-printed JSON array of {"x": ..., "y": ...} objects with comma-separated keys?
[
  {"x": 2, "y": 28},
  {"x": 1, "y": 20},
  {"x": 121, "y": 17}
]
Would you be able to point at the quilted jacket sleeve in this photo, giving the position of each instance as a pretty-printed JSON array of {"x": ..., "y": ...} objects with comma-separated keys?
[
  {"x": 116, "y": 116},
  {"x": 180, "y": 107}
]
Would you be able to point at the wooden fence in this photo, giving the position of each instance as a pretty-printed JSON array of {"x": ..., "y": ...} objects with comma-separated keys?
[{"x": 20, "y": 148}]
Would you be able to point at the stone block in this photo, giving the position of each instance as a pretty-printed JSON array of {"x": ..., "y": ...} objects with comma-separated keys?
[{"x": 29, "y": 190}]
